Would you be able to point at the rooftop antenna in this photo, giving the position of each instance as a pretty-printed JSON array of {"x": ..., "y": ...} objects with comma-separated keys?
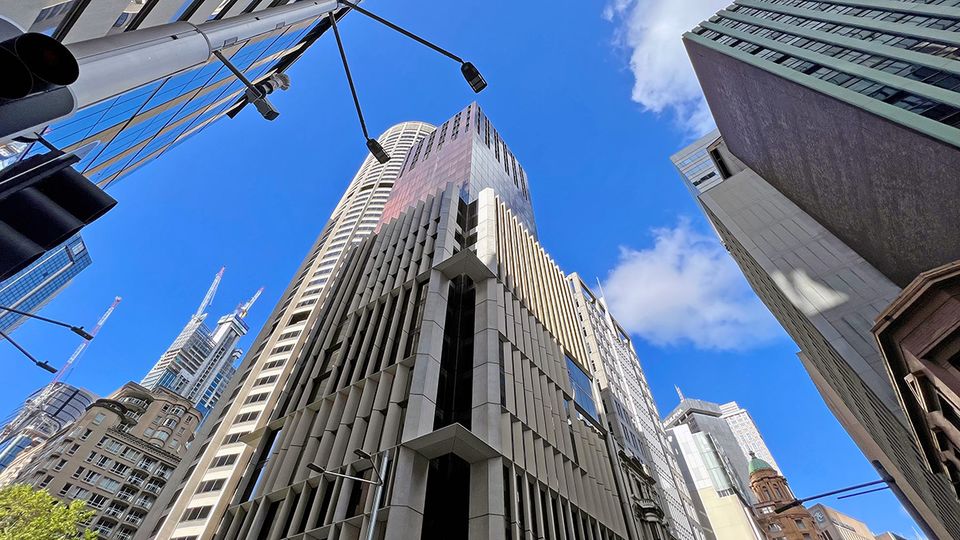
[
  {"x": 210, "y": 294},
  {"x": 242, "y": 310}
]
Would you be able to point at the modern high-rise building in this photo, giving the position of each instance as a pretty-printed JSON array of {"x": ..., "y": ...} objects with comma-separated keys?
[
  {"x": 43, "y": 413},
  {"x": 36, "y": 285},
  {"x": 840, "y": 143},
  {"x": 117, "y": 457},
  {"x": 746, "y": 432},
  {"x": 219, "y": 457},
  {"x": 634, "y": 421},
  {"x": 852, "y": 111},
  {"x": 826, "y": 296},
  {"x": 122, "y": 133},
  {"x": 445, "y": 357},
  {"x": 200, "y": 361},
  {"x": 715, "y": 469}
]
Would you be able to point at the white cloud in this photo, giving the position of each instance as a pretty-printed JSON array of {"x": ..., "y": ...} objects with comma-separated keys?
[
  {"x": 687, "y": 289},
  {"x": 663, "y": 78}
]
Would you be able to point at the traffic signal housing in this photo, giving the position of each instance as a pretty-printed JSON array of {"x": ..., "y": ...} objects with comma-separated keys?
[
  {"x": 35, "y": 70},
  {"x": 43, "y": 202}
]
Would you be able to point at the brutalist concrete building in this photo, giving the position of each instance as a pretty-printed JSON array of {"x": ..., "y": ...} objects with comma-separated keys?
[{"x": 444, "y": 356}]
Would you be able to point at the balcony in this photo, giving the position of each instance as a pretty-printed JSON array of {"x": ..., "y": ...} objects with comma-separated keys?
[
  {"x": 143, "y": 503},
  {"x": 135, "y": 519},
  {"x": 113, "y": 511},
  {"x": 153, "y": 488}
]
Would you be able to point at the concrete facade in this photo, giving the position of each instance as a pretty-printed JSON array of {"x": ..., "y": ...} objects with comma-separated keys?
[
  {"x": 117, "y": 457},
  {"x": 835, "y": 525},
  {"x": 220, "y": 456},
  {"x": 747, "y": 433},
  {"x": 826, "y": 296},
  {"x": 851, "y": 111},
  {"x": 461, "y": 392},
  {"x": 633, "y": 420}
]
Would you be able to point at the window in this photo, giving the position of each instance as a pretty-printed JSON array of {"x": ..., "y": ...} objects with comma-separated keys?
[
  {"x": 800, "y": 524},
  {"x": 234, "y": 437},
  {"x": 98, "y": 419},
  {"x": 246, "y": 417},
  {"x": 265, "y": 380},
  {"x": 210, "y": 485},
  {"x": 257, "y": 398},
  {"x": 582, "y": 389},
  {"x": 199, "y": 512},
  {"x": 222, "y": 461}
]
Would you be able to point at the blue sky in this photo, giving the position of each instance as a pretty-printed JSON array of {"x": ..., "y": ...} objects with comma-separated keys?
[{"x": 592, "y": 99}]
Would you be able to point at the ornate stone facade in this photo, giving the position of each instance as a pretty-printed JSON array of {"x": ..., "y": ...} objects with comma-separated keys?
[{"x": 772, "y": 492}]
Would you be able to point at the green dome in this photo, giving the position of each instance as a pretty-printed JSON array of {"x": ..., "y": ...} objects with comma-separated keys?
[{"x": 757, "y": 464}]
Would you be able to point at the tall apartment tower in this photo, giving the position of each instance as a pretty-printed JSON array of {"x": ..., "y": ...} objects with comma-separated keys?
[
  {"x": 43, "y": 413},
  {"x": 747, "y": 433},
  {"x": 715, "y": 469},
  {"x": 199, "y": 362},
  {"x": 116, "y": 457},
  {"x": 36, "y": 285},
  {"x": 839, "y": 147},
  {"x": 219, "y": 458},
  {"x": 634, "y": 420},
  {"x": 447, "y": 348}
]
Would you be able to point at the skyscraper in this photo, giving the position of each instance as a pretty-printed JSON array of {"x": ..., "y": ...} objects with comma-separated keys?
[
  {"x": 715, "y": 469},
  {"x": 839, "y": 148},
  {"x": 446, "y": 357},
  {"x": 43, "y": 413},
  {"x": 851, "y": 111},
  {"x": 826, "y": 296},
  {"x": 746, "y": 432},
  {"x": 200, "y": 360},
  {"x": 36, "y": 285},
  {"x": 632, "y": 414},
  {"x": 219, "y": 457}
]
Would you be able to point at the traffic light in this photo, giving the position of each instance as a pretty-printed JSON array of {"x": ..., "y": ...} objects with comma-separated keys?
[
  {"x": 35, "y": 70},
  {"x": 43, "y": 202}
]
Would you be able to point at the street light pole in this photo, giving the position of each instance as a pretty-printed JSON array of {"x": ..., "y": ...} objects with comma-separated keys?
[{"x": 378, "y": 494}]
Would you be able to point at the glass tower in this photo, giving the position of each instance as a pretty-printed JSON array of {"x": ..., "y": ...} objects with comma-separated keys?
[{"x": 36, "y": 285}]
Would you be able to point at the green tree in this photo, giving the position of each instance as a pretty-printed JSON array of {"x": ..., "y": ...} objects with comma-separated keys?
[{"x": 30, "y": 514}]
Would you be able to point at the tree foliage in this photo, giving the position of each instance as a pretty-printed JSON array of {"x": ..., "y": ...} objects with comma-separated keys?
[{"x": 31, "y": 514}]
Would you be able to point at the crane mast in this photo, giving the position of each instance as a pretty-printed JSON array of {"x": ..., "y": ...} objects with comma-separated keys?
[{"x": 208, "y": 298}]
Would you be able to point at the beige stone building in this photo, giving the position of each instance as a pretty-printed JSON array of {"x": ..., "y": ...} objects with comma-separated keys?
[
  {"x": 835, "y": 525},
  {"x": 117, "y": 457}
]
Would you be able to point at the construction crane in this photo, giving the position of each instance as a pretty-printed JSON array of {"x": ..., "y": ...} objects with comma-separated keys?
[
  {"x": 62, "y": 374},
  {"x": 242, "y": 310},
  {"x": 32, "y": 416},
  {"x": 210, "y": 294}
]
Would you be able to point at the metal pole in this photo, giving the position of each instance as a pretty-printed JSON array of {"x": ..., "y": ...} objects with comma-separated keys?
[
  {"x": 75, "y": 329},
  {"x": 379, "y": 493},
  {"x": 38, "y": 363},
  {"x": 407, "y": 33}
]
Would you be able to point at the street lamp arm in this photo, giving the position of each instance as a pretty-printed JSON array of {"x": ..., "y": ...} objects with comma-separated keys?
[
  {"x": 798, "y": 502},
  {"x": 407, "y": 33},
  {"x": 43, "y": 365},
  {"x": 75, "y": 329}
]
